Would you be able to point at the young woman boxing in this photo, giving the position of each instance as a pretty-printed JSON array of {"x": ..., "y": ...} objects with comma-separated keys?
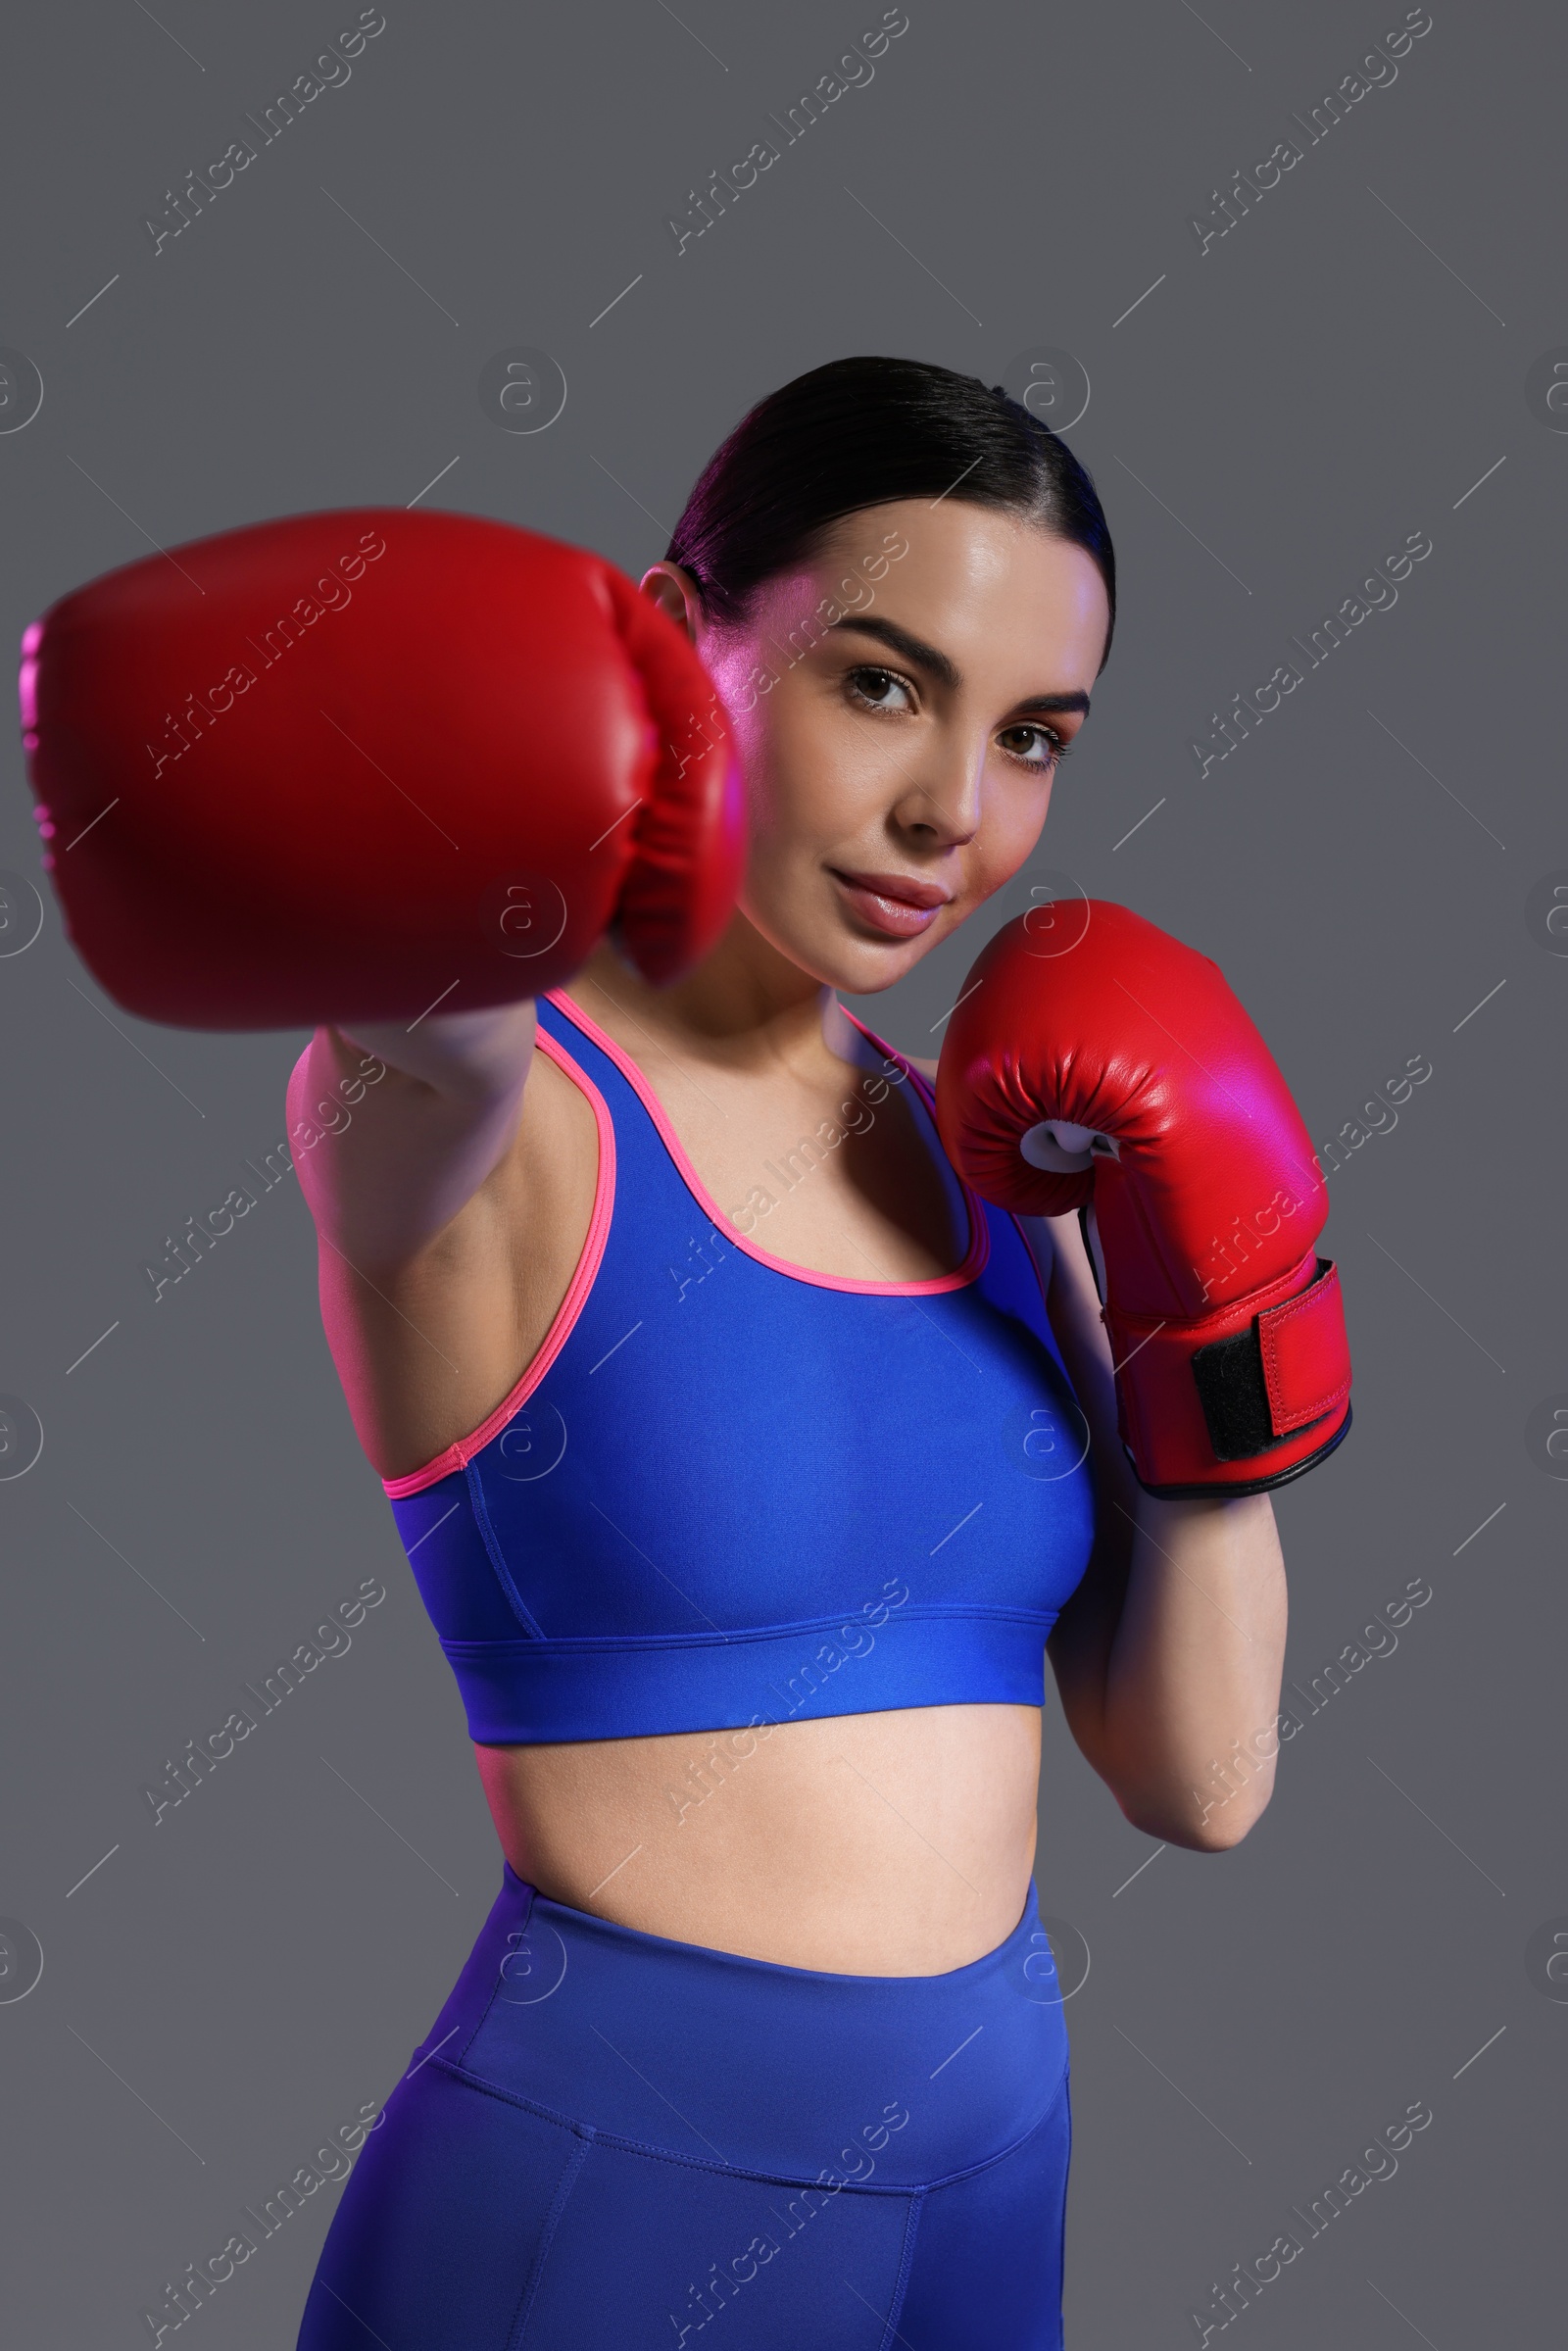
[{"x": 748, "y": 1409}]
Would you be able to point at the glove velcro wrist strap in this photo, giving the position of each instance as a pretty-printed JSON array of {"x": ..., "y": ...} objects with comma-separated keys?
[{"x": 1239, "y": 1400}]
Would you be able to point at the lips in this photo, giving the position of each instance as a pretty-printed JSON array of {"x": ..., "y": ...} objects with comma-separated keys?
[{"x": 895, "y": 905}]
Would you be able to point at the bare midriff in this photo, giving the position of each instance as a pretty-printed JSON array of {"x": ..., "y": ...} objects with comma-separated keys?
[{"x": 896, "y": 1843}]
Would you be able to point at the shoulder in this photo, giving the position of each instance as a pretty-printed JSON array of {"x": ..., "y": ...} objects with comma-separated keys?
[{"x": 927, "y": 1068}]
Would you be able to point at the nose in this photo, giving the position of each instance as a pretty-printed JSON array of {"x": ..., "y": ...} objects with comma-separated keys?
[{"x": 940, "y": 803}]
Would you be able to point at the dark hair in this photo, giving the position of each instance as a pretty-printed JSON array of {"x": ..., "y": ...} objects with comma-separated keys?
[{"x": 857, "y": 434}]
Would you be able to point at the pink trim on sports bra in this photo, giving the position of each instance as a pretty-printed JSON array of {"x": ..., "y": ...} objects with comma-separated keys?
[
  {"x": 459, "y": 1454},
  {"x": 969, "y": 1270}
]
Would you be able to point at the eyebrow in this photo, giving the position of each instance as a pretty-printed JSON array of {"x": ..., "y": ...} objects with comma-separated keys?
[{"x": 941, "y": 667}]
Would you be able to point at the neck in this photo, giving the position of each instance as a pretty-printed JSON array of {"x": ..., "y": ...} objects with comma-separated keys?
[{"x": 745, "y": 1004}]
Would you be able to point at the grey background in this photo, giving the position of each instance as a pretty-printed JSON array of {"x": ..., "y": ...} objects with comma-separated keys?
[{"x": 1278, "y": 413}]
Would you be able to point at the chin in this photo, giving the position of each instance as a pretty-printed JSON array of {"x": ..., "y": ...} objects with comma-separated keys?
[{"x": 866, "y": 966}]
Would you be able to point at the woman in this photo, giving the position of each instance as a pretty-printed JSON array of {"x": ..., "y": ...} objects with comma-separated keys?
[{"x": 746, "y": 1458}]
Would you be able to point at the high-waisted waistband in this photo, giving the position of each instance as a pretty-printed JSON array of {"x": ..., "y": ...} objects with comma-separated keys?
[{"x": 707, "y": 2056}]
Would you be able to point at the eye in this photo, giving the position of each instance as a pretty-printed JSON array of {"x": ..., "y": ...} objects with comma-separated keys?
[
  {"x": 869, "y": 685},
  {"x": 1037, "y": 747}
]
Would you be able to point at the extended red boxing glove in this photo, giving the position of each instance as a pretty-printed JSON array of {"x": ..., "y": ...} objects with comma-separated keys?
[
  {"x": 1102, "y": 1062},
  {"x": 352, "y": 765}
]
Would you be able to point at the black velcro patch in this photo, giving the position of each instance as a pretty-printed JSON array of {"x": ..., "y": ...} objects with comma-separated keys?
[{"x": 1231, "y": 1390}]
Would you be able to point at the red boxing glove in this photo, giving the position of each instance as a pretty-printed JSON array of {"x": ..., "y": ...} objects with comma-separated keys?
[
  {"x": 351, "y": 765},
  {"x": 1103, "y": 1061}
]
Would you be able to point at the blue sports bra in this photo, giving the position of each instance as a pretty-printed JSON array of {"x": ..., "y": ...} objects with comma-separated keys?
[{"x": 729, "y": 1491}]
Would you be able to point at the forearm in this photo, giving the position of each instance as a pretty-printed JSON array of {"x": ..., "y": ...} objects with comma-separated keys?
[
  {"x": 1168, "y": 1656},
  {"x": 1176, "y": 1709}
]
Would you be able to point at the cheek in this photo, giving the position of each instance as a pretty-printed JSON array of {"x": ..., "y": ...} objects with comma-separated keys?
[
  {"x": 806, "y": 787},
  {"x": 1012, "y": 815}
]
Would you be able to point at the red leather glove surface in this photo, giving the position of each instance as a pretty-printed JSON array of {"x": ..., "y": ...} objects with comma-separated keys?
[
  {"x": 350, "y": 765},
  {"x": 1226, "y": 1328}
]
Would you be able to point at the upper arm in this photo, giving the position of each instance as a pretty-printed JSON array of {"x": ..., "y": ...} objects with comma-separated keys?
[
  {"x": 449, "y": 1217},
  {"x": 394, "y": 1132}
]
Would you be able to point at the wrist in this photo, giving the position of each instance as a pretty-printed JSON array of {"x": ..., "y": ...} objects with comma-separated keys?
[{"x": 1237, "y": 1400}]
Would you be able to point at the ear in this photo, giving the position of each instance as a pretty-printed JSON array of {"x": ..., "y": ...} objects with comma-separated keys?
[{"x": 675, "y": 592}]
